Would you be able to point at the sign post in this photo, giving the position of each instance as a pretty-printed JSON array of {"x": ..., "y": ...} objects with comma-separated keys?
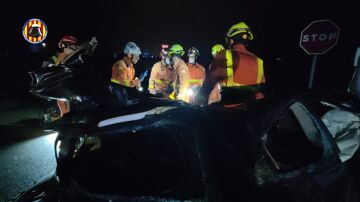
[
  {"x": 318, "y": 38},
  {"x": 312, "y": 73}
]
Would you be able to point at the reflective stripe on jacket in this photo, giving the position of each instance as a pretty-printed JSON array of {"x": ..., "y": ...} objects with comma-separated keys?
[
  {"x": 243, "y": 69},
  {"x": 197, "y": 74},
  {"x": 181, "y": 81}
]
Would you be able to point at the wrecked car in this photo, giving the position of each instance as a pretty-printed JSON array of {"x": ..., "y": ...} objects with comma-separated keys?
[{"x": 123, "y": 145}]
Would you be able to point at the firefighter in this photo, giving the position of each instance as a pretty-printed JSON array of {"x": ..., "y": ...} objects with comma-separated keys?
[
  {"x": 161, "y": 75},
  {"x": 240, "y": 72},
  {"x": 197, "y": 73},
  {"x": 215, "y": 95},
  {"x": 180, "y": 80},
  {"x": 123, "y": 71},
  {"x": 67, "y": 45}
]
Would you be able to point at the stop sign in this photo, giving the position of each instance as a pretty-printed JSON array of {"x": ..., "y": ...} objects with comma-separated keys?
[{"x": 319, "y": 37}]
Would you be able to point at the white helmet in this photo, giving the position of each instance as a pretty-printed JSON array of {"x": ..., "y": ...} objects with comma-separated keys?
[{"x": 132, "y": 48}]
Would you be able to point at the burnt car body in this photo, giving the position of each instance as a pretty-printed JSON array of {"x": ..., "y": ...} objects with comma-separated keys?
[{"x": 121, "y": 145}]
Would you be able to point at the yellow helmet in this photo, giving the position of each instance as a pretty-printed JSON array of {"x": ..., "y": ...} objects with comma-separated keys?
[
  {"x": 240, "y": 28},
  {"x": 216, "y": 48},
  {"x": 176, "y": 49}
]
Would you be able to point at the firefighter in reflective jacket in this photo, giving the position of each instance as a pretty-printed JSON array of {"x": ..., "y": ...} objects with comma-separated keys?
[
  {"x": 196, "y": 72},
  {"x": 161, "y": 75},
  {"x": 215, "y": 95},
  {"x": 67, "y": 45},
  {"x": 240, "y": 72},
  {"x": 123, "y": 71},
  {"x": 180, "y": 80}
]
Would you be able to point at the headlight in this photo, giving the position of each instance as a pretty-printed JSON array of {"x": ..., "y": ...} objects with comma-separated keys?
[{"x": 66, "y": 147}]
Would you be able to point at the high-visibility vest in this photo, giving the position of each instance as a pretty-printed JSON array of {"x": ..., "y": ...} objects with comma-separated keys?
[
  {"x": 160, "y": 77},
  {"x": 122, "y": 75},
  {"x": 197, "y": 74},
  {"x": 248, "y": 71}
]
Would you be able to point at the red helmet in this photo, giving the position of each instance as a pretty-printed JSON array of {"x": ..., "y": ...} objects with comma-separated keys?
[
  {"x": 164, "y": 46},
  {"x": 164, "y": 49},
  {"x": 68, "y": 40}
]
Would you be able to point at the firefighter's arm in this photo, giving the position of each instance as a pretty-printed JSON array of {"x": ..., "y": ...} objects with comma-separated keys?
[
  {"x": 261, "y": 63},
  {"x": 120, "y": 76},
  {"x": 173, "y": 87},
  {"x": 203, "y": 76},
  {"x": 123, "y": 77},
  {"x": 151, "y": 86},
  {"x": 216, "y": 73},
  {"x": 135, "y": 82},
  {"x": 210, "y": 81},
  {"x": 115, "y": 73}
]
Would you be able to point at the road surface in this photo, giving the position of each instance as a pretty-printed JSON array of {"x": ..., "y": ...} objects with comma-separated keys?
[{"x": 24, "y": 160}]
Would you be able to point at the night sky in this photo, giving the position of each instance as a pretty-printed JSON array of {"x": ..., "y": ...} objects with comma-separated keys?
[{"x": 276, "y": 26}]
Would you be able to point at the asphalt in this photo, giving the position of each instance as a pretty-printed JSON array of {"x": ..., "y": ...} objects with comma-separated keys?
[
  {"x": 25, "y": 162},
  {"x": 26, "y": 151},
  {"x": 22, "y": 109}
]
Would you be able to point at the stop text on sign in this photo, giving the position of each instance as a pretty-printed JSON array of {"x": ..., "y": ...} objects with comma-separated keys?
[{"x": 319, "y": 37}]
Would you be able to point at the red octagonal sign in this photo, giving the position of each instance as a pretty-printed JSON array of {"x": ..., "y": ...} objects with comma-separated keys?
[{"x": 319, "y": 37}]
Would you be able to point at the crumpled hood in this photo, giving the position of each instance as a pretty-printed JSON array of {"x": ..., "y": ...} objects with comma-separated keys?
[{"x": 61, "y": 82}]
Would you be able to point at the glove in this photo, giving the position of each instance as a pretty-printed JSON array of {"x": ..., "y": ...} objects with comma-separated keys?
[
  {"x": 93, "y": 41},
  {"x": 152, "y": 91},
  {"x": 136, "y": 82}
]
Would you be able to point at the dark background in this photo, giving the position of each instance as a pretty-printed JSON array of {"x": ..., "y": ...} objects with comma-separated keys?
[{"x": 276, "y": 26}]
